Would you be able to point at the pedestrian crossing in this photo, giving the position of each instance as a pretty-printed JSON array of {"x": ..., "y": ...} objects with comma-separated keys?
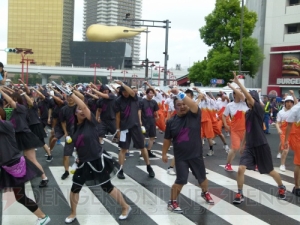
[{"x": 148, "y": 198}]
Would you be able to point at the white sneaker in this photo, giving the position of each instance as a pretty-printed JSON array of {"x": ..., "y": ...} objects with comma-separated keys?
[
  {"x": 282, "y": 168},
  {"x": 279, "y": 156},
  {"x": 43, "y": 221},
  {"x": 171, "y": 171},
  {"x": 213, "y": 142},
  {"x": 102, "y": 142},
  {"x": 227, "y": 134},
  {"x": 226, "y": 148},
  {"x": 210, "y": 153},
  {"x": 203, "y": 142}
]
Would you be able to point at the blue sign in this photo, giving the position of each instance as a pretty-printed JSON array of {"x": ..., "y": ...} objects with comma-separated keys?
[{"x": 217, "y": 81}]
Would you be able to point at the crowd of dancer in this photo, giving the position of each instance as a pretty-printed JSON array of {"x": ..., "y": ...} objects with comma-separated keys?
[{"x": 84, "y": 115}]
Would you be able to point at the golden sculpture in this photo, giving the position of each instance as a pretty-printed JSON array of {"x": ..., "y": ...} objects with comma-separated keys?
[{"x": 102, "y": 33}]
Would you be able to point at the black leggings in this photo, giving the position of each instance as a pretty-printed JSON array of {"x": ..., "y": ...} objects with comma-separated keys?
[
  {"x": 23, "y": 199},
  {"x": 107, "y": 187}
]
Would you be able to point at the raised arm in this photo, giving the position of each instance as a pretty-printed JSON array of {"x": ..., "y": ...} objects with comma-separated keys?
[
  {"x": 82, "y": 106},
  {"x": 9, "y": 100},
  {"x": 128, "y": 89},
  {"x": 188, "y": 101}
]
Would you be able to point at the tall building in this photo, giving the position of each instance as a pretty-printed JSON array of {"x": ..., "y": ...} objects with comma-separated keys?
[
  {"x": 112, "y": 13},
  {"x": 278, "y": 32},
  {"x": 46, "y": 27}
]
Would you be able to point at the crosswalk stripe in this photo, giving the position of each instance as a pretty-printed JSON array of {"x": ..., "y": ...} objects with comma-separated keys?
[
  {"x": 13, "y": 213},
  {"x": 223, "y": 209},
  {"x": 89, "y": 210},
  {"x": 287, "y": 172},
  {"x": 263, "y": 198},
  {"x": 262, "y": 177},
  {"x": 148, "y": 202}
]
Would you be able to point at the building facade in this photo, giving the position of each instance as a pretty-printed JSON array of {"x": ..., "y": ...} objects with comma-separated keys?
[
  {"x": 46, "y": 27},
  {"x": 281, "y": 46},
  {"x": 112, "y": 13}
]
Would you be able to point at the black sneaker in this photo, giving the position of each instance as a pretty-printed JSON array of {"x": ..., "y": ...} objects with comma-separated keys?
[
  {"x": 296, "y": 191},
  {"x": 282, "y": 193},
  {"x": 49, "y": 158},
  {"x": 121, "y": 175},
  {"x": 65, "y": 175},
  {"x": 151, "y": 155},
  {"x": 238, "y": 199},
  {"x": 150, "y": 171},
  {"x": 43, "y": 183}
]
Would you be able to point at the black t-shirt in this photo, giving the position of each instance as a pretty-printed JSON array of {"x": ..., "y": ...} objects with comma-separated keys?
[
  {"x": 107, "y": 107},
  {"x": 92, "y": 104},
  {"x": 185, "y": 132},
  {"x": 19, "y": 119},
  {"x": 33, "y": 115},
  {"x": 43, "y": 106},
  {"x": 67, "y": 115},
  {"x": 255, "y": 135},
  {"x": 148, "y": 108},
  {"x": 8, "y": 145},
  {"x": 86, "y": 140},
  {"x": 128, "y": 108},
  {"x": 56, "y": 114}
]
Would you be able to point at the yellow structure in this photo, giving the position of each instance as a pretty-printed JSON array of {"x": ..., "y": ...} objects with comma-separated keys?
[
  {"x": 102, "y": 33},
  {"x": 46, "y": 27}
]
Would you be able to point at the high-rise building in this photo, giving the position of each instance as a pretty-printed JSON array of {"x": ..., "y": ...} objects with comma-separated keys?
[
  {"x": 46, "y": 27},
  {"x": 112, "y": 13},
  {"x": 278, "y": 34}
]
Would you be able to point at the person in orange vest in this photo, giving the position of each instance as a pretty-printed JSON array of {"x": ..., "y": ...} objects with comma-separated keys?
[{"x": 267, "y": 109}]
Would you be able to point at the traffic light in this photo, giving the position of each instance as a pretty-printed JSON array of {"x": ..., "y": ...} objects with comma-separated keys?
[{"x": 11, "y": 50}]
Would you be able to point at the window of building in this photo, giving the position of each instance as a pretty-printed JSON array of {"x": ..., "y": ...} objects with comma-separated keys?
[
  {"x": 293, "y": 28},
  {"x": 294, "y": 2}
]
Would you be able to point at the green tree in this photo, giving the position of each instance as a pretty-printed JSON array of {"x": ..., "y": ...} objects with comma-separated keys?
[{"x": 222, "y": 33}]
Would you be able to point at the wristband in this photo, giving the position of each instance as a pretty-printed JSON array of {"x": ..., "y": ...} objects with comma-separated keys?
[
  {"x": 118, "y": 130},
  {"x": 181, "y": 96}
]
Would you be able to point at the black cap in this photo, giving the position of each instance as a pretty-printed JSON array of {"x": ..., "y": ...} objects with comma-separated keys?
[
  {"x": 254, "y": 95},
  {"x": 1, "y": 65},
  {"x": 104, "y": 88}
]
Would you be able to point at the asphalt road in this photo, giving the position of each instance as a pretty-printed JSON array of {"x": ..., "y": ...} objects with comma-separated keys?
[{"x": 148, "y": 196}]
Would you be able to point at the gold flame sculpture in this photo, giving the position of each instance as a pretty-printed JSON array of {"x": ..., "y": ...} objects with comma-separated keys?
[{"x": 102, "y": 33}]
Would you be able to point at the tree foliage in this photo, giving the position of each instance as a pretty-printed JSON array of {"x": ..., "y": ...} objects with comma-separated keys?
[{"x": 222, "y": 33}]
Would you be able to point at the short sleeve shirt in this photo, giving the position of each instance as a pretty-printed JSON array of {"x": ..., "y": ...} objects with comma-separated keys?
[
  {"x": 294, "y": 116},
  {"x": 33, "y": 115},
  {"x": 148, "y": 108},
  {"x": 185, "y": 134},
  {"x": 255, "y": 135},
  {"x": 128, "y": 108},
  {"x": 237, "y": 112},
  {"x": 67, "y": 115},
  {"x": 107, "y": 107},
  {"x": 92, "y": 104},
  {"x": 43, "y": 106},
  {"x": 86, "y": 140},
  {"x": 19, "y": 119}
]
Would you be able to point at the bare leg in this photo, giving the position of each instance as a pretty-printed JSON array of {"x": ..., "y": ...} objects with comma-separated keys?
[
  {"x": 276, "y": 177},
  {"x": 230, "y": 157},
  {"x": 175, "y": 191},
  {"x": 116, "y": 194},
  {"x": 47, "y": 149},
  {"x": 144, "y": 153},
  {"x": 74, "y": 197},
  {"x": 39, "y": 213},
  {"x": 150, "y": 143},
  {"x": 30, "y": 154},
  {"x": 122, "y": 156},
  {"x": 240, "y": 177},
  {"x": 283, "y": 156},
  {"x": 297, "y": 176},
  {"x": 173, "y": 162},
  {"x": 66, "y": 161},
  {"x": 204, "y": 185}
]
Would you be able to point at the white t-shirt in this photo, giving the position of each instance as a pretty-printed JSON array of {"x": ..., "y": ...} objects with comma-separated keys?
[
  {"x": 233, "y": 107},
  {"x": 170, "y": 103},
  {"x": 221, "y": 104},
  {"x": 294, "y": 116},
  {"x": 158, "y": 98},
  {"x": 283, "y": 115}
]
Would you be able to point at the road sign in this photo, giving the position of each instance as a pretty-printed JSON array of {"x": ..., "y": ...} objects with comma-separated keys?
[{"x": 217, "y": 81}]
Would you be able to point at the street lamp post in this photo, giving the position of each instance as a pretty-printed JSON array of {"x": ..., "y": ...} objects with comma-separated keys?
[
  {"x": 27, "y": 61},
  {"x": 124, "y": 72},
  {"x": 95, "y": 65},
  {"x": 110, "y": 70},
  {"x": 153, "y": 24},
  {"x": 160, "y": 69},
  {"x": 241, "y": 38}
]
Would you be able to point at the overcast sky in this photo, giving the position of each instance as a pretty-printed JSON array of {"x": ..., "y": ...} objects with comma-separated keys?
[{"x": 185, "y": 45}]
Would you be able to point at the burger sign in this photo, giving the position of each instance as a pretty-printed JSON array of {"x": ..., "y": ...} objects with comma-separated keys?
[{"x": 290, "y": 66}]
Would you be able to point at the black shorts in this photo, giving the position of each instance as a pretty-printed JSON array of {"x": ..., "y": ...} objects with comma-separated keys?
[
  {"x": 69, "y": 148},
  {"x": 107, "y": 126},
  {"x": 150, "y": 130},
  {"x": 58, "y": 132},
  {"x": 260, "y": 156},
  {"x": 137, "y": 137},
  {"x": 182, "y": 170}
]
